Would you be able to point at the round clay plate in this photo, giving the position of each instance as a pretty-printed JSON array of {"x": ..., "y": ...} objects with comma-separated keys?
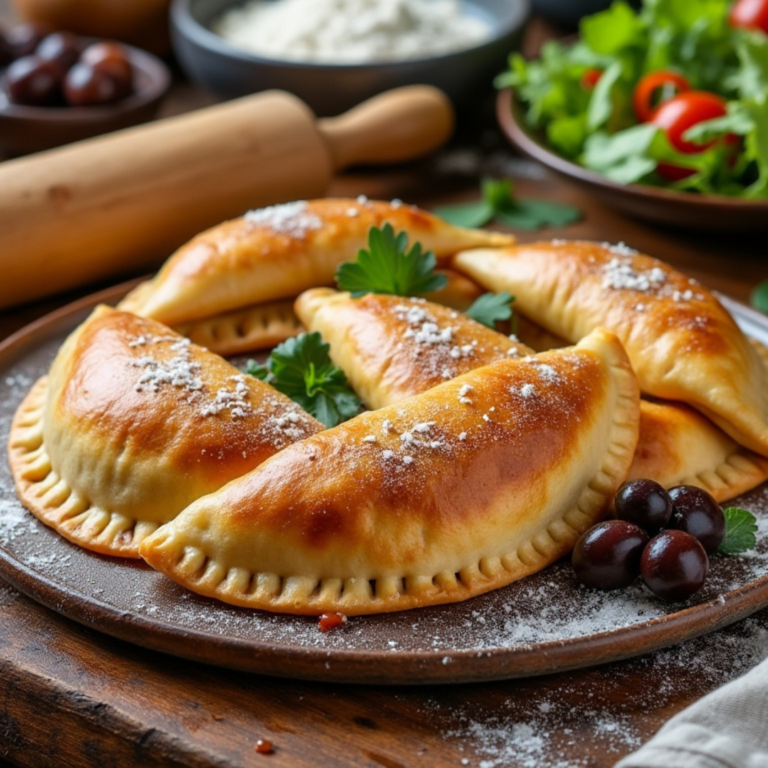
[{"x": 544, "y": 623}]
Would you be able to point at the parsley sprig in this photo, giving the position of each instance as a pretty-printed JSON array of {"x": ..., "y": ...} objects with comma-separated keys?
[
  {"x": 389, "y": 267},
  {"x": 490, "y": 307},
  {"x": 301, "y": 368},
  {"x": 740, "y": 529},
  {"x": 499, "y": 203}
]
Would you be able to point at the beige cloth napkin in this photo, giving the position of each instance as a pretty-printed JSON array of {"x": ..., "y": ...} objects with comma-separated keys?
[{"x": 726, "y": 729}]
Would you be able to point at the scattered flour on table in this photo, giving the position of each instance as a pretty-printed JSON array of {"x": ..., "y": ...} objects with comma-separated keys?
[{"x": 538, "y": 727}]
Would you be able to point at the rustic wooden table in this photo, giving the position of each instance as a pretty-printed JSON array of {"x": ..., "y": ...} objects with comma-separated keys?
[{"x": 73, "y": 697}]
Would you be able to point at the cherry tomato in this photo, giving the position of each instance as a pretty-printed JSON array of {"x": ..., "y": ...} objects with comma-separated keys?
[
  {"x": 679, "y": 114},
  {"x": 687, "y": 109},
  {"x": 650, "y": 85},
  {"x": 750, "y": 14},
  {"x": 590, "y": 78}
]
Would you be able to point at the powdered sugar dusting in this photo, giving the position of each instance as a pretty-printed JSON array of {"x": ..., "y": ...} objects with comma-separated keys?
[
  {"x": 621, "y": 274},
  {"x": 433, "y": 345},
  {"x": 179, "y": 371},
  {"x": 234, "y": 400},
  {"x": 620, "y": 249},
  {"x": 291, "y": 219}
]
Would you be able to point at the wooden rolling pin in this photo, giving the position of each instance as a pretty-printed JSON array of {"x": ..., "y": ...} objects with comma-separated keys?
[{"x": 121, "y": 203}]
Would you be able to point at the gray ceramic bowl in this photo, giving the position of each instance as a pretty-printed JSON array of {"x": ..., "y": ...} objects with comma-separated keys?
[{"x": 329, "y": 89}]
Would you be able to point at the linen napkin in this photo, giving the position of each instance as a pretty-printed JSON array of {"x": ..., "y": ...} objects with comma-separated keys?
[{"x": 728, "y": 728}]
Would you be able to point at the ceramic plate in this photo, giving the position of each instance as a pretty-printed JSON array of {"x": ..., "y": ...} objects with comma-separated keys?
[{"x": 542, "y": 624}]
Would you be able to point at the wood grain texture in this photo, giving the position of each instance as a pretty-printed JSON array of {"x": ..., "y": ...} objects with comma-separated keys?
[{"x": 72, "y": 697}]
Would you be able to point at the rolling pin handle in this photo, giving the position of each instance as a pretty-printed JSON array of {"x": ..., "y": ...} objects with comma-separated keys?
[{"x": 395, "y": 126}]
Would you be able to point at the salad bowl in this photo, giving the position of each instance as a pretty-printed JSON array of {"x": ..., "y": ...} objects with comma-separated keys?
[{"x": 669, "y": 207}]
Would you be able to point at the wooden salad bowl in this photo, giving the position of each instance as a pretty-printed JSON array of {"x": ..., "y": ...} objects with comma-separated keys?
[{"x": 668, "y": 207}]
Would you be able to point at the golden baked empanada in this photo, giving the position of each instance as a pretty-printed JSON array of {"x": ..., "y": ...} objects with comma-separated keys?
[
  {"x": 133, "y": 423},
  {"x": 428, "y": 501},
  {"x": 680, "y": 446},
  {"x": 278, "y": 252},
  {"x": 392, "y": 347},
  {"x": 265, "y": 325},
  {"x": 384, "y": 364},
  {"x": 677, "y": 445},
  {"x": 682, "y": 343}
]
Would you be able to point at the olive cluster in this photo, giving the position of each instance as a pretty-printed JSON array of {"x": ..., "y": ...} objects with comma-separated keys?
[
  {"x": 58, "y": 69},
  {"x": 664, "y": 536}
]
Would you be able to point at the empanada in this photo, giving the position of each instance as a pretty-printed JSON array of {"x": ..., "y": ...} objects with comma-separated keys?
[
  {"x": 677, "y": 445},
  {"x": 392, "y": 347},
  {"x": 428, "y": 501},
  {"x": 370, "y": 340},
  {"x": 680, "y": 446},
  {"x": 266, "y": 325},
  {"x": 133, "y": 423},
  {"x": 682, "y": 343},
  {"x": 278, "y": 252}
]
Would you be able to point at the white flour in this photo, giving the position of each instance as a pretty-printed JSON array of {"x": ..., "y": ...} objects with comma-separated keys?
[{"x": 351, "y": 31}]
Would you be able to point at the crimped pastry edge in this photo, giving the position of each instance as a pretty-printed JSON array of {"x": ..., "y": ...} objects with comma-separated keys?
[
  {"x": 193, "y": 568},
  {"x": 50, "y": 498}
]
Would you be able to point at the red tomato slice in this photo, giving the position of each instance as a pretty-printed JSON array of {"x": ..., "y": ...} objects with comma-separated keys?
[
  {"x": 649, "y": 84},
  {"x": 750, "y": 14}
]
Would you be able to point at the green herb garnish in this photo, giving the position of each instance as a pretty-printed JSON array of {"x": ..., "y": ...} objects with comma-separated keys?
[
  {"x": 301, "y": 368},
  {"x": 490, "y": 307},
  {"x": 740, "y": 528},
  {"x": 499, "y": 203},
  {"x": 389, "y": 267},
  {"x": 759, "y": 297},
  {"x": 594, "y": 123}
]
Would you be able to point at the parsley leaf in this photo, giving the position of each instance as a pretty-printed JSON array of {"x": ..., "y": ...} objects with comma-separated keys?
[
  {"x": 490, "y": 307},
  {"x": 759, "y": 297},
  {"x": 740, "y": 528},
  {"x": 389, "y": 267},
  {"x": 499, "y": 203},
  {"x": 301, "y": 368}
]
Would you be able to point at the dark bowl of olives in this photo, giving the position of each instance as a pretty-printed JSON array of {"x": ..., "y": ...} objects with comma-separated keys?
[{"x": 57, "y": 88}]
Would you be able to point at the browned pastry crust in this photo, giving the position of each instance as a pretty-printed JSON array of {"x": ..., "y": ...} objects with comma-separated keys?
[
  {"x": 392, "y": 347},
  {"x": 374, "y": 343},
  {"x": 277, "y": 253},
  {"x": 424, "y": 502},
  {"x": 266, "y": 325},
  {"x": 678, "y": 445},
  {"x": 134, "y": 423},
  {"x": 682, "y": 343}
]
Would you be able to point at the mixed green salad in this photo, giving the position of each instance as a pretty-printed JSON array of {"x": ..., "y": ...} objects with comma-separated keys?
[{"x": 674, "y": 95}]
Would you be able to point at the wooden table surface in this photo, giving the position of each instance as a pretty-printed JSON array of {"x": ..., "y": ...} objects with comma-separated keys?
[{"x": 73, "y": 697}]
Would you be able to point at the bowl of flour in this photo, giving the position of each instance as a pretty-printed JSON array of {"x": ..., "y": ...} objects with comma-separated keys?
[{"x": 334, "y": 54}]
